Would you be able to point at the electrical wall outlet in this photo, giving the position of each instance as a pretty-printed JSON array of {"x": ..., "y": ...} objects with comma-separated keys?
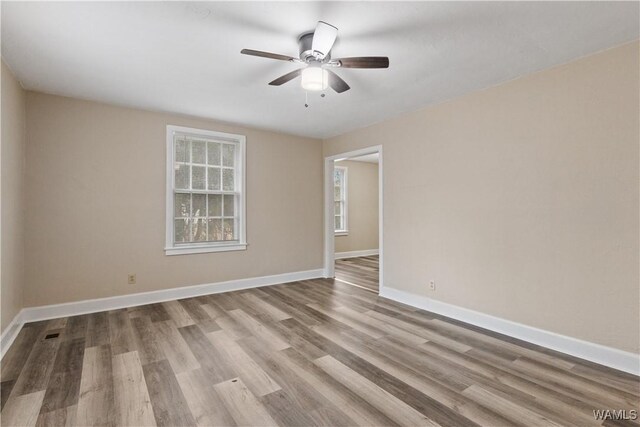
[
  {"x": 131, "y": 279},
  {"x": 432, "y": 285}
]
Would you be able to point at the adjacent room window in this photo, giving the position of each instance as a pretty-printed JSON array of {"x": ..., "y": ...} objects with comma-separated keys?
[
  {"x": 340, "y": 200},
  {"x": 205, "y": 191}
]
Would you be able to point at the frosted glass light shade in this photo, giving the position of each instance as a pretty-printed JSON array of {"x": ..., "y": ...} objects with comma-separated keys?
[{"x": 315, "y": 78}]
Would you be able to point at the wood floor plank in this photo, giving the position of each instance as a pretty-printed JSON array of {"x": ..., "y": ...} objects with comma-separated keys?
[
  {"x": 408, "y": 394},
  {"x": 178, "y": 313},
  {"x": 258, "y": 330},
  {"x": 617, "y": 379},
  {"x": 147, "y": 345},
  {"x": 169, "y": 405},
  {"x": 284, "y": 410},
  {"x": 194, "y": 309},
  {"x": 155, "y": 312},
  {"x": 205, "y": 405},
  {"x": 234, "y": 329},
  {"x": 252, "y": 375},
  {"x": 348, "y": 406},
  {"x": 291, "y": 306},
  {"x": 386, "y": 327},
  {"x": 243, "y": 406},
  {"x": 459, "y": 332},
  {"x": 384, "y": 360},
  {"x": 76, "y": 327},
  {"x": 215, "y": 363},
  {"x": 96, "y": 397},
  {"x": 361, "y": 271},
  {"x": 63, "y": 417},
  {"x": 132, "y": 402},
  {"x": 97, "y": 329},
  {"x": 120, "y": 334},
  {"x": 6, "y": 387},
  {"x": 17, "y": 355},
  {"x": 64, "y": 386},
  {"x": 263, "y": 305},
  {"x": 387, "y": 403},
  {"x": 424, "y": 330},
  {"x": 300, "y": 344},
  {"x": 614, "y": 398},
  {"x": 22, "y": 410},
  {"x": 569, "y": 409},
  {"x": 174, "y": 347},
  {"x": 361, "y": 326},
  {"x": 37, "y": 369},
  {"x": 444, "y": 387},
  {"x": 273, "y": 364},
  {"x": 515, "y": 413},
  {"x": 212, "y": 311}
]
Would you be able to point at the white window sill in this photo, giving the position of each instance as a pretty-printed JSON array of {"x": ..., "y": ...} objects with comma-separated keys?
[
  {"x": 199, "y": 249},
  {"x": 342, "y": 233}
]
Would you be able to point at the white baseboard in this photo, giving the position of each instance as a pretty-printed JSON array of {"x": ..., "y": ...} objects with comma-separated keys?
[
  {"x": 354, "y": 254},
  {"x": 45, "y": 312},
  {"x": 608, "y": 356},
  {"x": 11, "y": 332}
]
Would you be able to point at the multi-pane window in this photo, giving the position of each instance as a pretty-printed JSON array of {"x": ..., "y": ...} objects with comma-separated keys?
[
  {"x": 340, "y": 199},
  {"x": 205, "y": 191}
]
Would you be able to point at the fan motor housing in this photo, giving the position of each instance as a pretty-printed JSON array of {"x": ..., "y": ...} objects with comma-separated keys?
[{"x": 306, "y": 53}]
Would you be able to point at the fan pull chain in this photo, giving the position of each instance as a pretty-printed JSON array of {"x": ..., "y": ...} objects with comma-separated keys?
[{"x": 306, "y": 99}]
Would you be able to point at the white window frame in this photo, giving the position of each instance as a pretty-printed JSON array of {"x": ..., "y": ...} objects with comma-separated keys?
[
  {"x": 345, "y": 202},
  {"x": 240, "y": 178}
]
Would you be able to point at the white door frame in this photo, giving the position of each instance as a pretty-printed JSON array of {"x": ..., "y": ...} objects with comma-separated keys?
[{"x": 329, "y": 234}]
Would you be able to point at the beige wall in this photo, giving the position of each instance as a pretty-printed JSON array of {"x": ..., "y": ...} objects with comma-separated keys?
[
  {"x": 362, "y": 205},
  {"x": 521, "y": 200},
  {"x": 13, "y": 197},
  {"x": 96, "y": 203}
]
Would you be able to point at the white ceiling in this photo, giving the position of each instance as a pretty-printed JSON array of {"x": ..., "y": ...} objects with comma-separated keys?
[{"x": 185, "y": 57}]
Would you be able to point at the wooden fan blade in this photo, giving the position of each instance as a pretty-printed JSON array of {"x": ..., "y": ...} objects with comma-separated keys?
[
  {"x": 267, "y": 55},
  {"x": 287, "y": 77},
  {"x": 337, "y": 83},
  {"x": 365, "y": 62}
]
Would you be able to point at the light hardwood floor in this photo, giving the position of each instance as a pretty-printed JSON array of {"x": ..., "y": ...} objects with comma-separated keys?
[
  {"x": 315, "y": 352},
  {"x": 360, "y": 271}
]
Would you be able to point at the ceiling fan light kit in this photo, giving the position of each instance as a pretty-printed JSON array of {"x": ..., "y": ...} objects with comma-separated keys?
[
  {"x": 315, "y": 53},
  {"x": 314, "y": 79}
]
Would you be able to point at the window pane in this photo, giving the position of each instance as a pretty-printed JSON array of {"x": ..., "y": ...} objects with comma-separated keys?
[
  {"x": 227, "y": 179},
  {"x": 198, "y": 153},
  {"x": 229, "y": 227},
  {"x": 336, "y": 193},
  {"x": 182, "y": 230},
  {"x": 197, "y": 179},
  {"x": 181, "y": 150},
  {"x": 336, "y": 208},
  {"x": 215, "y": 204},
  {"x": 228, "y": 151},
  {"x": 182, "y": 205},
  {"x": 215, "y": 229},
  {"x": 229, "y": 205},
  {"x": 214, "y": 153},
  {"x": 182, "y": 177},
  {"x": 338, "y": 223},
  {"x": 203, "y": 168},
  {"x": 199, "y": 205},
  {"x": 337, "y": 177},
  {"x": 200, "y": 230},
  {"x": 214, "y": 179}
]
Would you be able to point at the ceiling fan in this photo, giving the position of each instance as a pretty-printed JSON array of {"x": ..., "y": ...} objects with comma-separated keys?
[{"x": 315, "y": 53}]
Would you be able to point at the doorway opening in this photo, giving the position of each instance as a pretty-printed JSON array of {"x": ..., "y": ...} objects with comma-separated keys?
[{"x": 353, "y": 218}]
